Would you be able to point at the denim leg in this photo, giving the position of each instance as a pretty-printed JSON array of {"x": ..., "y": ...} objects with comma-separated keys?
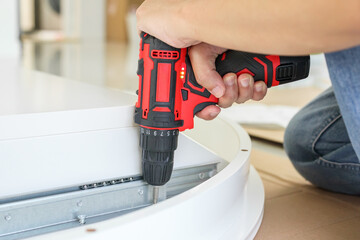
[
  {"x": 344, "y": 70},
  {"x": 319, "y": 146}
]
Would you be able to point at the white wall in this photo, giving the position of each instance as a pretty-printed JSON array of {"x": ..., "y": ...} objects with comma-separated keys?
[
  {"x": 9, "y": 32},
  {"x": 84, "y": 19}
]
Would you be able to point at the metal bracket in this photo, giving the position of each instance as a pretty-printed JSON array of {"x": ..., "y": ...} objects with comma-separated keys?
[{"x": 93, "y": 203}]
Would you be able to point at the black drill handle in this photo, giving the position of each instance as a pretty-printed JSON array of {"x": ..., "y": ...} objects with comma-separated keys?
[{"x": 274, "y": 70}]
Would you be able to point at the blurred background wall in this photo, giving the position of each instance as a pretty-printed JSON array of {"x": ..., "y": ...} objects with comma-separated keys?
[
  {"x": 9, "y": 30},
  {"x": 75, "y": 19},
  {"x": 88, "y": 40}
]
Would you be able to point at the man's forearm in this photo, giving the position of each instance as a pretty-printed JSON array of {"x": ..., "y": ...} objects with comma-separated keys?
[{"x": 287, "y": 27}]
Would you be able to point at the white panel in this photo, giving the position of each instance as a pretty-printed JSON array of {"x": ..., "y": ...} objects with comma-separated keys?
[
  {"x": 26, "y": 91},
  {"x": 52, "y": 162},
  {"x": 228, "y": 206},
  {"x": 35, "y": 104}
]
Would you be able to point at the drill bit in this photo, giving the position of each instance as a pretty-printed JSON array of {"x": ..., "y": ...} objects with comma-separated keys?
[{"x": 155, "y": 194}]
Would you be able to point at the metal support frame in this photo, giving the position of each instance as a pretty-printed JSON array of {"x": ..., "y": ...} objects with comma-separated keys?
[{"x": 43, "y": 213}]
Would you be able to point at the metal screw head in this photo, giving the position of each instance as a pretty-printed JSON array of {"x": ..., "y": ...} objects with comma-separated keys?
[
  {"x": 79, "y": 203},
  {"x": 201, "y": 176},
  {"x": 81, "y": 219},
  {"x": 140, "y": 191},
  {"x": 212, "y": 173},
  {"x": 7, "y": 217}
]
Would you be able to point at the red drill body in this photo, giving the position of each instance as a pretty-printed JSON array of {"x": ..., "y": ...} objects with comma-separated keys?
[{"x": 169, "y": 96}]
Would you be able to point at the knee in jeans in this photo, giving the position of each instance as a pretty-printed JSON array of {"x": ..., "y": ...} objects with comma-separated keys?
[
  {"x": 298, "y": 137},
  {"x": 290, "y": 136}
]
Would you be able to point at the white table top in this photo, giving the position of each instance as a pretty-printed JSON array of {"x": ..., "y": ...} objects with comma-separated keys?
[{"x": 34, "y": 103}]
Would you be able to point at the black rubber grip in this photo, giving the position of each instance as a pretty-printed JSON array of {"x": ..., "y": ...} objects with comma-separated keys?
[{"x": 283, "y": 69}]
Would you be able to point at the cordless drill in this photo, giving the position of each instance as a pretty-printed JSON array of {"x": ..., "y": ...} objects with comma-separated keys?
[{"x": 169, "y": 96}]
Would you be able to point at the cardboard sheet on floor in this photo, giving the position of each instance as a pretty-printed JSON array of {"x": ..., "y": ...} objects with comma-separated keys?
[
  {"x": 295, "y": 97},
  {"x": 272, "y": 135},
  {"x": 294, "y": 209}
]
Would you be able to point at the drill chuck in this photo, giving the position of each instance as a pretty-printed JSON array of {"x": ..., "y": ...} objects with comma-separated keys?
[{"x": 158, "y": 148}]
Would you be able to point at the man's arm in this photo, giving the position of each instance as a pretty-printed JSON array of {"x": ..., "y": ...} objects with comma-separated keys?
[
  {"x": 280, "y": 27},
  {"x": 283, "y": 27}
]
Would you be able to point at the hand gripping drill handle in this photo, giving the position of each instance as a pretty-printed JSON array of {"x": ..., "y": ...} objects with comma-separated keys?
[{"x": 169, "y": 96}]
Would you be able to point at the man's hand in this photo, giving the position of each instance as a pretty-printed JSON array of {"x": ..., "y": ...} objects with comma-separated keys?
[
  {"x": 229, "y": 88},
  {"x": 163, "y": 19}
]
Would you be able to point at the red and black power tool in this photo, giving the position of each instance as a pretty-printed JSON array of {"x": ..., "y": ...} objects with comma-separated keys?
[{"x": 169, "y": 96}]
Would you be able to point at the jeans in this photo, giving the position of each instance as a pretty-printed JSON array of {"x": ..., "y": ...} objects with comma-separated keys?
[{"x": 323, "y": 139}]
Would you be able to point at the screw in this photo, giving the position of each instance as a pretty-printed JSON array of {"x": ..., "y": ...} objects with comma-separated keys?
[
  {"x": 82, "y": 219},
  {"x": 7, "y": 217},
  {"x": 79, "y": 203},
  {"x": 140, "y": 192},
  {"x": 212, "y": 173},
  {"x": 201, "y": 176}
]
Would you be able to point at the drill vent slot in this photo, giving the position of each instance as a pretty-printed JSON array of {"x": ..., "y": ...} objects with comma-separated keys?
[
  {"x": 285, "y": 72},
  {"x": 164, "y": 54}
]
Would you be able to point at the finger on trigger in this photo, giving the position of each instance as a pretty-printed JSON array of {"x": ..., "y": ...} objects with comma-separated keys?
[
  {"x": 245, "y": 86},
  {"x": 231, "y": 90}
]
